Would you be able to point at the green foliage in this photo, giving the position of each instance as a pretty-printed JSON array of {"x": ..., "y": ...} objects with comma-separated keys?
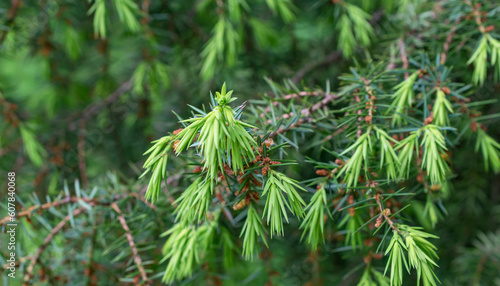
[
  {"x": 32, "y": 147},
  {"x": 421, "y": 255},
  {"x": 222, "y": 137},
  {"x": 397, "y": 259},
  {"x": 276, "y": 186},
  {"x": 352, "y": 169},
  {"x": 403, "y": 99},
  {"x": 387, "y": 154},
  {"x": 487, "y": 45},
  {"x": 184, "y": 248},
  {"x": 99, "y": 10},
  {"x": 251, "y": 231},
  {"x": 157, "y": 164},
  {"x": 434, "y": 148},
  {"x": 441, "y": 108},
  {"x": 372, "y": 277},
  {"x": 194, "y": 201},
  {"x": 314, "y": 222},
  {"x": 490, "y": 150},
  {"x": 370, "y": 130},
  {"x": 353, "y": 23},
  {"x": 406, "y": 154}
]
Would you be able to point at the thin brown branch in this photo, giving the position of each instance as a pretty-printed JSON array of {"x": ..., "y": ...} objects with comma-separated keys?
[
  {"x": 30, "y": 210},
  {"x": 89, "y": 271},
  {"x": 16, "y": 4},
  {"x": 94, "y": 109},
  {"x": 81, "y": 154},
  {"x": 333, "y": 56},
  {"x": 477, "y": 16},
  {"x": 327, "y": 99},
  {"x": 305, "y": 112},
  {"x": 384, "y": 213},
  {"x": 447, "y": 43},
  {"x": 67, "y": 200},
  {"x": 130, "y": 238},
  {"x": 404, "y": 57}
]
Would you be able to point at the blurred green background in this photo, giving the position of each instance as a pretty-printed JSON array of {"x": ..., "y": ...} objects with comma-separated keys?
[{"x": 86, "y": 85}]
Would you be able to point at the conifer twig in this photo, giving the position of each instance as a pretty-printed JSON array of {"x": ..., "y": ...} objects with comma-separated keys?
[
  {"x": 130, "y": 238},
  {"x": 383, "y": 212},
  {"x": 68, "y": 200}
]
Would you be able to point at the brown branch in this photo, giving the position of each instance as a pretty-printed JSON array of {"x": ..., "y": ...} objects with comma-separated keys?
[
  {"x": 327, "y": 99},
  {"x": 307, "y": 113},
  {"x": 404, "y": 57},
  {"x": 384, "y": 213},
  {"x": 11, "y": 15},
  {"x": 67, "y": 200},
  {"x": 288, "y": 97},
  {"x": 31, "y": 209},
  {"x": 94, "y": 109},
  {"x": 89, "y": 272},
  {"x": 447, "y": 43},
  {"x": 131, "y": 242},
  {"x": 477, "y": 16},
  {"x": 333, "y": 56},
  {"x": 81, "y": 154},
  {"x": 48, "y": 239}
]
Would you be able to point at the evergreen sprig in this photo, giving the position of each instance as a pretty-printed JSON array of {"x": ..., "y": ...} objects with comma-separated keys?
[
  {"x": 314, "y": 223},
  {"x": 157, "y": 164},
  {"x": 277, "y": 185},
  {"x": 434, "y": 146},
  {"x": 402, "y": 99},
  {"x": 251, "y": 231},
  {"x": 222, "y": 138},
  {"x": 441, "y": 108},
  {"x": 352, "y": 168},
  {"x": 421, "y": 254},
  {"x": 490, "y": 150},
  {"x": 406, "y": 148},
  {"x": 388, "y": 157}
]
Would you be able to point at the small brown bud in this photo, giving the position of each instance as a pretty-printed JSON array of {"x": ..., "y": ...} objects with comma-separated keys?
[
  {"x": 255, "y": 196},
  {"x": 435, "y": 187},
  {"x": 198, "y": 169},
  {"x": 352, "y": 212},
  {"x": 368, "y": 119},
  {"x": 473, "y": 126},
  {"x": 265, "y": 170},
  {"x": 240, "y": 205},
  {"x": 177, "y": 131},
  {"x": 322, "y": 172},
  {"x": 379, "y": 222},
  {"x": 446, "y": 90},
  {"x": 429, "y": 119},
  {"x": 420, "y": 178},
  {"x": 350, "y": 199},
  {"x": 339, "y": 162}
]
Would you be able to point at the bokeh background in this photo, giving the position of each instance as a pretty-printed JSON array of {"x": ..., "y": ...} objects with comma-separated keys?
[{"x": 85, "y": 86}]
